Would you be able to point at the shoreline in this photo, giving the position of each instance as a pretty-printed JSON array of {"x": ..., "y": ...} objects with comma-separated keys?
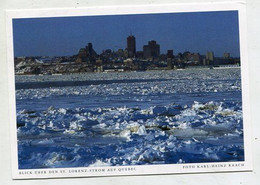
[{"x": 136, "y": 71}]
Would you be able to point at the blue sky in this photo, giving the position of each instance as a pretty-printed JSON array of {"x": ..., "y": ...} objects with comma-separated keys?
[{"x": 64, "y": 36}]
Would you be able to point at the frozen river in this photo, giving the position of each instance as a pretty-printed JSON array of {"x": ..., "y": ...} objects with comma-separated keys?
[{"x": 129, "y": 118}]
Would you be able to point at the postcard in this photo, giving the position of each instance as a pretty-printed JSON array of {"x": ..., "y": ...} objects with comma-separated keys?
[{"x": 129, "y": 90}]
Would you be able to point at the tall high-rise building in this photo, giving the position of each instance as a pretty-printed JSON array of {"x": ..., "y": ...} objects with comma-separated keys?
[
  {"x": 152, "y": 50},
  {"x": 131, "y": 46},
  {"x": 91, "y": 52},
  {"x": 210, "y": 57},
  {"x": 170, "y": 53}
]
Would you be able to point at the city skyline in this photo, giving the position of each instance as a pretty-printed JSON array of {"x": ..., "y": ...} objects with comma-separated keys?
[{"x": 195, "y": 32}]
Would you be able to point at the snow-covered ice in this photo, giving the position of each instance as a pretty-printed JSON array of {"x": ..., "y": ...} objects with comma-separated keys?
[{"x": 169, "y": 117}]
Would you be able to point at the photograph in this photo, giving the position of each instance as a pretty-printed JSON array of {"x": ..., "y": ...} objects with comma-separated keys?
[{"x": 123, "y": 91}]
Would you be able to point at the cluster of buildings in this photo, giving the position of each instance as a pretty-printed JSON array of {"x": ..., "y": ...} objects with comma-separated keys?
[
  {"x": 150, "y": 58},
  {"x": 150, "y": 51}
]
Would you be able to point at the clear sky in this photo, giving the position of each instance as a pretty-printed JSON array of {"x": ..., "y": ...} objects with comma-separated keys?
[{"x": 64, "y": 36}]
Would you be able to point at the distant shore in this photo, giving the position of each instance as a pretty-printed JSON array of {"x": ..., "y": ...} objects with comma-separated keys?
[{"x": 124, "y": 71}]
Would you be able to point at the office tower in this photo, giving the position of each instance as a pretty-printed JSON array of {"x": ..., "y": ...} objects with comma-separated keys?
[
  {"x": 210, "y": 57},
  {"x": 131, "y": 46},
  {"x": 169, "y": 53},
  {"x": 152, "y": 50}
]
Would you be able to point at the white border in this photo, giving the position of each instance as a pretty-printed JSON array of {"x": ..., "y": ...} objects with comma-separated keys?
[{"x": 141, "y": 169}]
